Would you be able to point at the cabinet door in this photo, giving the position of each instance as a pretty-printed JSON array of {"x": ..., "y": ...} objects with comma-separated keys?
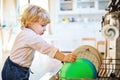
[
  {"x": 66, "y": 5},
  {"x": 102, "y": 4},
  {"x": 85, "y": 4}
]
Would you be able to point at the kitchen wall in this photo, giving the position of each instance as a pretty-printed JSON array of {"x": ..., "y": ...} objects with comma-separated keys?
[
  {"x": 69, "y": 26},
  {"x": 9, "y": 12}
]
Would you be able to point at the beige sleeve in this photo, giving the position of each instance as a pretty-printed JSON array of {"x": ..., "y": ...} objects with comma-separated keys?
[{"x": 42, "y": 46}]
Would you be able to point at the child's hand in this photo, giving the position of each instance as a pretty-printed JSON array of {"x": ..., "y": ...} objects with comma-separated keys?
[{"x": 69, "y": 58}]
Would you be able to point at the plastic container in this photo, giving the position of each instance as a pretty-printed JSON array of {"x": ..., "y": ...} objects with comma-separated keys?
[{"x": 80, "y": 69}]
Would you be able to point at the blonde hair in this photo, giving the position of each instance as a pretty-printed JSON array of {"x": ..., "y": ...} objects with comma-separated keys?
[{"x": 34, "y": 14}]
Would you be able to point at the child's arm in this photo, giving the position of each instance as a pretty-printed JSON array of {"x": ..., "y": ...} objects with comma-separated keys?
[{"x": 65, "y": 57}]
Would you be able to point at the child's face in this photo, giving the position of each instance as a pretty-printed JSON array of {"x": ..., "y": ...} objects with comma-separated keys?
[{"x": 38, "y": 28}]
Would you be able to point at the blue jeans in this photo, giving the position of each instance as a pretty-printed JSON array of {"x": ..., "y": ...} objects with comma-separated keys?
[{"x": 12, "y": 71}]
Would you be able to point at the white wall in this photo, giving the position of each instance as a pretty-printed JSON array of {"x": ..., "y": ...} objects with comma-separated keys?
[{"x": 9, "y": 12}]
